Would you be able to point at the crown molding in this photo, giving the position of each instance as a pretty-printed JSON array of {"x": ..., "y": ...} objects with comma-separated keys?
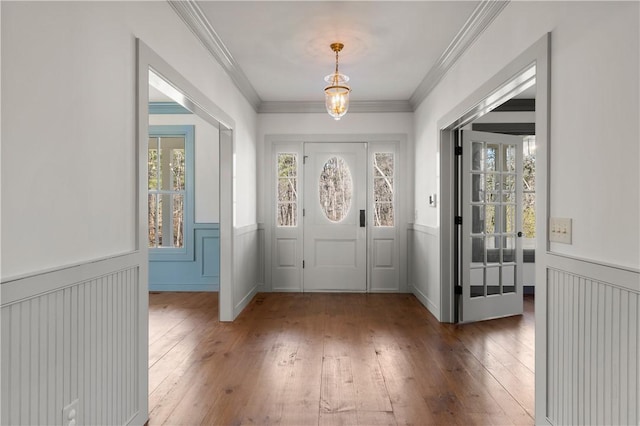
[
  {"x": 479, "y": 20},
  {"x": 275, "y": 107},
  {"x": 198, "y": 23}
]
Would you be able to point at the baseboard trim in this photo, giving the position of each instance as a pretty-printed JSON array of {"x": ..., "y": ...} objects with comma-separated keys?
[
  {"x": 245, "y": 301},
  {"x": 431, "y": 307},
  {"x": 184, "y": 287}
]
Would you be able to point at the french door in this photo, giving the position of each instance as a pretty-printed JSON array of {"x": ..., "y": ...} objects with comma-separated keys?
[
  {"x": 335, "y": 222},
  {"x": 491, "y": 243}
]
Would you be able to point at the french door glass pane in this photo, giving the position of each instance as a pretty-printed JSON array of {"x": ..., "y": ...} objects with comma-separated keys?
[
  {"x": 490, "y": 219},
  {"x": 509, "y": 279},
  {"x": 477, "y": 219},
  {"x": 491, "y": 158},
  {"x": 509, "y": 155},
  {"x": 477, "y": 188},
  {"x": 477, "y": 251},
  {"x": 477, "y": 159},
  {"x": 477, "y": 282},
  {"x": 493, "y": 280}
]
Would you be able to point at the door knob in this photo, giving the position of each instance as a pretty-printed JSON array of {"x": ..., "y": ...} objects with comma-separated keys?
[
  {"x": 362, "y": 219},
  {"x": 520, "y": 234}
]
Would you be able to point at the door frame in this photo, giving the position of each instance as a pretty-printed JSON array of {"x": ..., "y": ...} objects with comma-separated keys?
[
  {"x": 198, "y": 103},
  {"x": 502, "y": 86},
  {"x": 272, "y": 140}
]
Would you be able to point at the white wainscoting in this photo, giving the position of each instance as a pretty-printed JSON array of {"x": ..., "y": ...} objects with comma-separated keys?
[
  {"x": 246, "y": 262},
  {"x": 70, "y": 334},
  {"x": 593, "y": 343},
  {"x": 261, "y": 257},
  {"x": 424, "y": 280}
]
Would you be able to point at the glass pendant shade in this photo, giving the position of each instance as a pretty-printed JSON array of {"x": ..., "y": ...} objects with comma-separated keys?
[{"x": 336, "y": 93}]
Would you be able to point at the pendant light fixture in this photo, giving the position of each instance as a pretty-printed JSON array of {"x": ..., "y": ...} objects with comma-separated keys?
[{"x": 337, "y": 92}]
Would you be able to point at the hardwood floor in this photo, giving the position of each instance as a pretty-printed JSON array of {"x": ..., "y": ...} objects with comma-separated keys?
[{"x": 325, "y": 359}]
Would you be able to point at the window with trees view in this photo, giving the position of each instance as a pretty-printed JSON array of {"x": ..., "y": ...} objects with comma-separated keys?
[
  {"x": 529, "y": 190},
  {"x": 335, "y": 189},
  {"x": 287, "y": 213},
  {"x": 383, "y": 170},
  {"x": 166, "y": 168}
]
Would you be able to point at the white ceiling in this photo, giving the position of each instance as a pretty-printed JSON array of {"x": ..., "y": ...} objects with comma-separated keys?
[{"x": 283, "y": 47}]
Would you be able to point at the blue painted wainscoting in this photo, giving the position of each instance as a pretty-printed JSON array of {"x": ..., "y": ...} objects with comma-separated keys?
[{"x": 200, "y": 272}]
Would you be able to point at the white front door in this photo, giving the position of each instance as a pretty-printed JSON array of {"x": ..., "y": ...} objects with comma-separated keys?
[
  {"x": 335, "y": 223},
  {"x": 491, "y": 226}
]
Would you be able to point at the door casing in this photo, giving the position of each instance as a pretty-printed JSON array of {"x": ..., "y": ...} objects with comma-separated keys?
[
  {"x": 294, "y": 143},
  {"x": 502, "y": 86}
]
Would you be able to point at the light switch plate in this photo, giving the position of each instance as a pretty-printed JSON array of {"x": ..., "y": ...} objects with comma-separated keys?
[{"x": 560, "y": 230}]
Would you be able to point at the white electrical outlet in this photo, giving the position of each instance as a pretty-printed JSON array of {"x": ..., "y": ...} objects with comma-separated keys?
[
  {"x": 70, "y": 414},
  {"x": 560, "y": 230}
]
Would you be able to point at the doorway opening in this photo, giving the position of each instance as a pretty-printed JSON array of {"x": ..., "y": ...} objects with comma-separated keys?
[{"x": 532, "y": 66}]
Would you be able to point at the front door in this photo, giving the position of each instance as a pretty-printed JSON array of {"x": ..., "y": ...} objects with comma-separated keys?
[
  {"x": 335, "y": 225},
  {"x": 491, "y": 258}
]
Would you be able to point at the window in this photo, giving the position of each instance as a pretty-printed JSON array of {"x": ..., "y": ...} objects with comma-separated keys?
[
  {"x": 335, "y": 189},
  {"x": 166, "y": 191},
  {"x": 383, "y": 169},
  {"x": 170, "y": 191},
  {"x": 287, "y": 214}
]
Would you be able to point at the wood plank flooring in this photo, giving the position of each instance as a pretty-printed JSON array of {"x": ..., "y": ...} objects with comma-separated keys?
[{"x": 335, "y": 359}]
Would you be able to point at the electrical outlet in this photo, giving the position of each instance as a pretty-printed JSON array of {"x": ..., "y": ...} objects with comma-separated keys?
[
  {"x": 70, "y": 414},
  {"x": 560, "y": 230}
]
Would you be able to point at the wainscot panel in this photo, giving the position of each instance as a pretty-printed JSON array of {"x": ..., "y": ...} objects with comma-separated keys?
[
  {"x": 246, "y": 266},
  {"x": 593, "y": 341},
  {"x": 201, "y": 273},
  {"x": 73, "y": 335},
  {"x": 423, "y": 270}
]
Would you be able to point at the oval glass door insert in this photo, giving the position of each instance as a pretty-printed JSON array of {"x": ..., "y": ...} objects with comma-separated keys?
[{"x": 336, "y": 189}]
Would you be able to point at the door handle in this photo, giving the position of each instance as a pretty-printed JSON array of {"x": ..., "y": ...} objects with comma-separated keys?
[
  {"x": 520, "y": 234},
  {"x": 362, "y": 219}
]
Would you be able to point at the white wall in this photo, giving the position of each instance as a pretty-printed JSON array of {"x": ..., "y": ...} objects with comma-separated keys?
[
  {"x": 320, "y": 124},
  {"x": 68, "y": 172},
  {"x": 69, "y": 194},
  {"x": 207, "y": 158},
  {"x": 594, "y": 137}
]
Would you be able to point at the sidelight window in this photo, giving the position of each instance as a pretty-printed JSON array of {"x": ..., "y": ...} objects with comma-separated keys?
[
  {"x": 287, "y": 213},
  {"x": 383, "y": 189}
]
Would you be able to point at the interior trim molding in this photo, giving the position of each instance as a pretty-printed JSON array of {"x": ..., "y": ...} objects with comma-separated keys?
[
  {"x": 479, "y": 20},
  {"x": 198, "y": 23},
  {"x": 267, "y": 107}
]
